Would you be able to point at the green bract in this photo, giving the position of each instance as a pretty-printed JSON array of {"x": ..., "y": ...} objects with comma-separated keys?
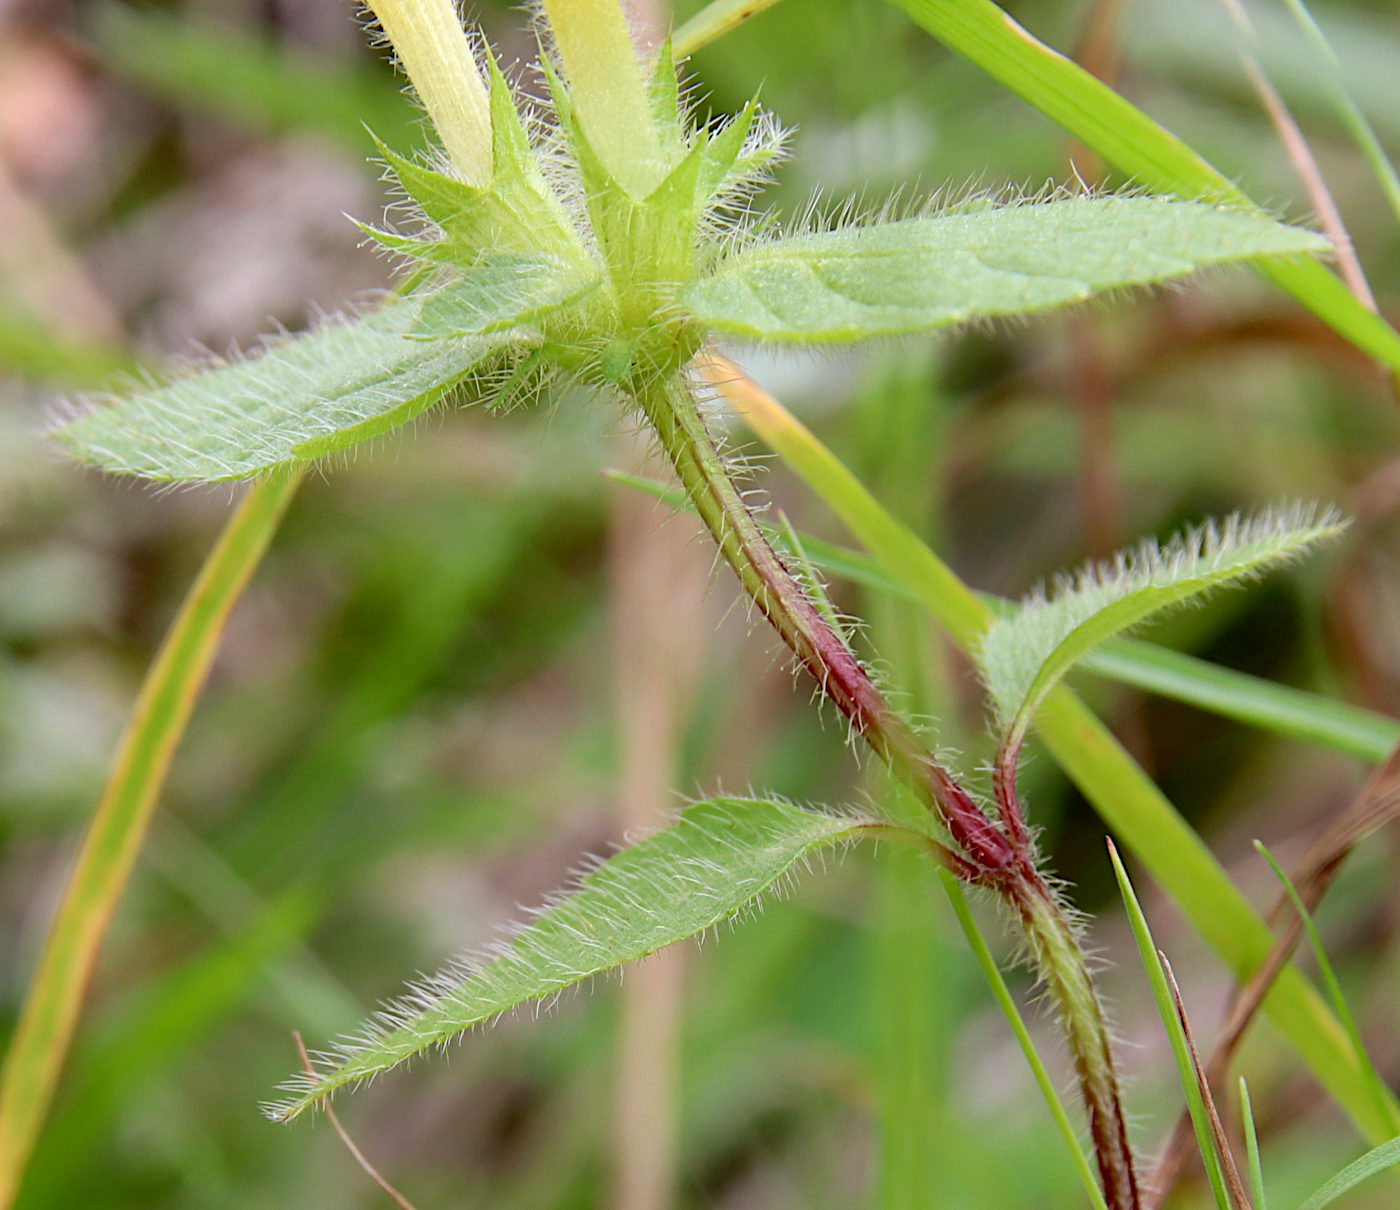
[
  {"x": 575, "y": 258},
  {"x": 1023, "y": 656}
]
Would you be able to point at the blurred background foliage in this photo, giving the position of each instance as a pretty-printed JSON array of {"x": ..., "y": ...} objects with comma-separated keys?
[{"x": 435, "y": 697}]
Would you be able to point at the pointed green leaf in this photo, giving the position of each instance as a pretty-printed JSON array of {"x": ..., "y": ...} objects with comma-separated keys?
[
  {"x": 1251, "y": 1143},
  {"x": 441, "y": 197},
  {"x": 1024, "y": 655},
  {"x": 646, "y": 240},
  {"x": 302, "y": 398},
  {"x": 924, "y": 273},
  {"x": 664, "y": 93},
  {"x": 511, "y": 156},
  {"x": 1378, "y": 1159},
  {"x": 715, "y": 861},
  {"x": 470, "y": 223},
  {"x": 503, "y": 293},
  {"x": 517, "y": 211},
  {"x": 722, "y": 151}
]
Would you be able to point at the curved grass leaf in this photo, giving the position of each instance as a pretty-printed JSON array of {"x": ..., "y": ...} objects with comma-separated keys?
[
  {"x": 923, "y": 273},
  {"x": 715, "y": 861},
  {"x": 1172, "y": 1022},
  {"x": 102, "y": 868},
  {"x": 1023, "y": 656},
  {"x": 1147, "y": 153},
  {"x": 301, "y": 398},
  {"x": 1251, "y": 1143},
  {"x": 1387, "y": 1155}
]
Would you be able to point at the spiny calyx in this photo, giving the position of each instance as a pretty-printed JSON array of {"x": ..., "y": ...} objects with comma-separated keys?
[{"x": 557, "y": 242}]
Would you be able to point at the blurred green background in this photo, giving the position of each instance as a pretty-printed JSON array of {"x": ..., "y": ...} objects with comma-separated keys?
[{"x": 469, "y": 660}]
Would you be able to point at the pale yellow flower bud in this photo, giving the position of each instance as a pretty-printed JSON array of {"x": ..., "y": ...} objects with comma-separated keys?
[{"x": 436, "y": 54}]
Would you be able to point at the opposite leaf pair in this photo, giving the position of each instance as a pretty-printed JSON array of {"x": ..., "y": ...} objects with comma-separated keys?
[
  {"x": 555, "y": 268},
  {"x": 723, "y": 855}
]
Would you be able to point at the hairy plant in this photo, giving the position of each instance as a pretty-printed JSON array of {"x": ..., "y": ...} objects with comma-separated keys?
[{"x": 602, "y": 242}]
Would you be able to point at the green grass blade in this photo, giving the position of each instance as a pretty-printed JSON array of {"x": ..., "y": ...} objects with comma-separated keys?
[
  {"x": 1379, "y": 1093},
  {"x": 1148, "y": 153},
  {"x": 713, "y": 863},
  {"x": 1023, "y": 1038},
  {"x": 113, "y": 838},
  {"x": 972, "y": 263},
  {"x": 1247, "y": 699},
  {"x": 1251, "y": 1142},
  {"x": 913, "y": 1111},
  {"x": 1141, "y": 815},
  {"x": 714, "y": 21},
  {"x": 1166, "y": 1009},
  {"x": 1387, "y": 1155},
  {"x": 140, "y": 1043},
  {"x": 1347, "y": 109},
  {"x": 1125, "y": 797}
]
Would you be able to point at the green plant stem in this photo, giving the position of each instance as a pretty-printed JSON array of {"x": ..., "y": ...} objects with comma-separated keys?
[
  {"x": 1060, "y": 960},
  {"x": 1295, "y": 713},
  {"x": 1003, "y": 998},
  {"x": 777, "y": 593},
  {"x": 1125, "y": 797},
  {"x": 114, "y": 834},
  {"x": 982, "y": 853}
]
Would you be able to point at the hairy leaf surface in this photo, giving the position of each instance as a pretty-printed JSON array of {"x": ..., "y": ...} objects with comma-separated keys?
[
  {"x": 1023, "y": 655},
  {"x": 712, "y": 863},
  {"x": 923, "y": 273},
  {"x": 503, "y": 293},
  {"x": 301, "y": 398}
]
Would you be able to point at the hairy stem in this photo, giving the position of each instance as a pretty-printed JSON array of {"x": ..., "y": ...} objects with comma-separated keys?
[
  {"x": 777, "y": 592},
  {"x": 983, "y": 853},
  {"x": 1059, "y": 960}
]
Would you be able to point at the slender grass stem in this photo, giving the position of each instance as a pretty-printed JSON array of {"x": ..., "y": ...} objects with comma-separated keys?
[
  {"x": 1003, "y": 998},
  {"x": 118, "y": 825}
]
